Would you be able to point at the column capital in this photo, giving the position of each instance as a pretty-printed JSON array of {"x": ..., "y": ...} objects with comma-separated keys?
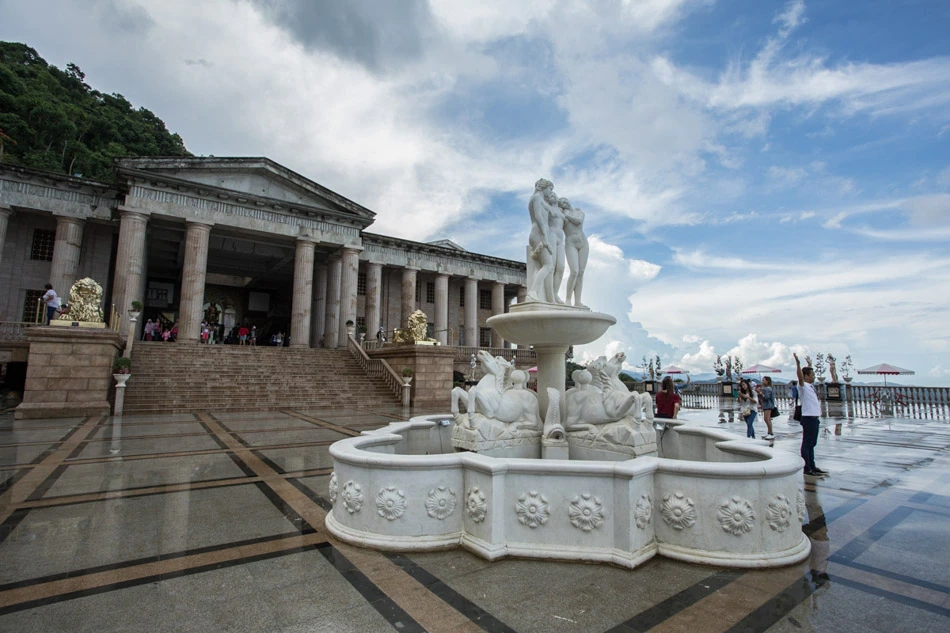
[
  {"x": 5, "y": 210},
  {"x": 68, "y": 219},
  {"x": 306, "y": 239},
  {"x": 351, "y": 249},
  {"x": 199, "y": 224},
  {"x": 125, "y": 211}
]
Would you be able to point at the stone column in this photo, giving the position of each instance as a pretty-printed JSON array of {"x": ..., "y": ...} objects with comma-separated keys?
[
  {"x": 5, "y": 213},
  {"x": 374, "y": 294},
  {"x": 193, "y": 281},
  {"x": 318, "y": 310},
  {"x": 331, "y": 333},
  {"x": 303, "y": 293},
  {"x": 350, "y": 264},
  {"x": 471, "y": 312},
  {"x": 442, "y": 308},
  {"x": 497, "y": 307},
  {"x": 129, "y": 265},
  {"x": 66, "y": 250},
  {"x": 522, "y": 294},
  {"x": 408, "y": 295}
]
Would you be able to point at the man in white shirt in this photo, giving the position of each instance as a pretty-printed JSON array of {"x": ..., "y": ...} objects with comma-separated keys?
[
  {"x": 52, "y": 302},
  {"x": 811, "y": 410}
]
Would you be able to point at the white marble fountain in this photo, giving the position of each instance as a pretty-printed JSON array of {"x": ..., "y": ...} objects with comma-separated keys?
[{"x": 575, "y": 475}]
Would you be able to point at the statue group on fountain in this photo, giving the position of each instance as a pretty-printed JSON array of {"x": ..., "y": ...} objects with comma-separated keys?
[{"x": 557, "y": 236}]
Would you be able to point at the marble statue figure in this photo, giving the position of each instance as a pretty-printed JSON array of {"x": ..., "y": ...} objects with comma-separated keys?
[
  {"x": 543, "y": 243},
  {"x": 576, "y": 250}
]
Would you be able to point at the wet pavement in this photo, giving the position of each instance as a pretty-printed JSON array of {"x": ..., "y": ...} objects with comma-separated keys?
[{"x": 214, "y": 522}]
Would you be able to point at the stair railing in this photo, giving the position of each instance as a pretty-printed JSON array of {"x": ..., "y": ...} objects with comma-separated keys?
[{"x": 375, "y": 367}]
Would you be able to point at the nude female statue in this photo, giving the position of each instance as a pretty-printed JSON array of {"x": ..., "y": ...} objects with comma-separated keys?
[
  {"x": 576, "y": 250},
  {"x": 543, "y": 242}
]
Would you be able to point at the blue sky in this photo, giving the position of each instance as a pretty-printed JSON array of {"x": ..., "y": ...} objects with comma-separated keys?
[{"x": 758, "y": 177}]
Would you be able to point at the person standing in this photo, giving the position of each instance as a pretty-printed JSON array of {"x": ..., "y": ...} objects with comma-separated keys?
[
  {"x": 748, "y": 406},
  {"x": 149, "y": 328},
  {"x": 243, "y": 333},
  {"x": 768, "y": 403},
  {"x": 811, "y": 410},
  {"x": 667, "y": 401},
  {"x": 52, "y": 302}
]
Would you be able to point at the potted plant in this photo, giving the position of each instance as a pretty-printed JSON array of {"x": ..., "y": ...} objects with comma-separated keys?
[
  {"x": 846, "y": 366},
  {"x": 350, "y": 328},
  {"x": 122, "y": 370},
  {"x": 136, "y": 310},
  {"x": 820, "y": 367},
  {"x": 407, "y": 375}
]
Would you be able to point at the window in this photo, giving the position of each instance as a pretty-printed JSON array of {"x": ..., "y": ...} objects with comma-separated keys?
[
  {"x": 484, "y": 337},
  {"x": 461, "y": 297},
  {"x": 360, "y": 324},
  {"x": 418, "y": 291},
  {"x": 484, "y": 300},
  {"x": 430, "y": 292},
  {"x": 31, "y": 306},
  {"x": 43, "y": 241},
  {"x": 361, "y": 284}
]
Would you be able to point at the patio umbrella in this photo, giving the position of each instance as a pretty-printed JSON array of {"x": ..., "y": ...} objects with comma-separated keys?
[
  {"x": 673, "y": 369},
  {"x": 886, "y": 370},
  {"x": 759, "y": 368},
  {"x": 534, "y": 370}
]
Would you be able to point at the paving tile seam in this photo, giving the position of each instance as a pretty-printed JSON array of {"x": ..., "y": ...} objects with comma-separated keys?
[{"x": 207, "y": 451}]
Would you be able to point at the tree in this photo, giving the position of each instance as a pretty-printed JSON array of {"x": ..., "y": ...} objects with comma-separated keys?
[
  {"x": 820, "y": 365},
  {"x": 659, "y": 370},
  {"x": 718, "y": 367},
  {"x": 737, "y": 365},
  {"x": 52, "y": 119}
]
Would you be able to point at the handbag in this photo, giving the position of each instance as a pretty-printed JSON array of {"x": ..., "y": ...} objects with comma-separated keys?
[
  {"x": 776, "y": 412},
  {"x": 798, "y": 413}
]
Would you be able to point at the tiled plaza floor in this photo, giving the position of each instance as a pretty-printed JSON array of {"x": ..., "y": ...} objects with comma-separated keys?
[{"x": 214, "y": 522}]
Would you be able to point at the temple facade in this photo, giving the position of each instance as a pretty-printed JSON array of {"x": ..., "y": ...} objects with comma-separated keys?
[{"x": 230, "y": 241}]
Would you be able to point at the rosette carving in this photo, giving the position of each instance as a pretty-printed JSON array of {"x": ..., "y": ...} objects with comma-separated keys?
[
  {"x": 736, "y": 516},
  {"x": 779, "y": 513},
  {"x": 678, "y": 511},
  {"x": 352, "y": 495},
  {"x": 475, "y": 504},
  {"x": 532, "y": 509},
  {"x": 334, "y": 488},
  {"x": 390, "y": 503},
  {"x": 440, "y": 502},
  {"x": 586, "y": 512},
  {"x": 643, "y": 512}
]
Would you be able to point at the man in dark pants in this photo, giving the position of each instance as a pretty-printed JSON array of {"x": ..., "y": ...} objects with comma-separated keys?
[{"x": 811, "y": 410}]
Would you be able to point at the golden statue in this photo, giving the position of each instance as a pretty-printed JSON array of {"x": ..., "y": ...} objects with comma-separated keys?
[
  {"x": 85, "y": 299},
  {"x": 416, "y": 331}
]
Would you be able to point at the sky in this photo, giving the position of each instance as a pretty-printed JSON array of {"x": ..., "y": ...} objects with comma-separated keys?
[{"x": 759, "y": 178}]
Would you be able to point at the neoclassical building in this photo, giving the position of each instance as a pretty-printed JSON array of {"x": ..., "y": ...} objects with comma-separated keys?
[{"x": 237, "y": 240}]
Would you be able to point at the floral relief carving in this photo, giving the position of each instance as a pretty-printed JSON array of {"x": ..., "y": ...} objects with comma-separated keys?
[
  {"x": 334, "y": 488},
  {"x": 586, "y": 512},
  {"x": 475, "y": 504},
  {"x": 779, "y": 513},
  {"x": 736, "y": 516},
  {"x": 390, "y": 503},
  {"x": 532, "y": 509},
  {"x": 643, "y": 512},
  {"x": 678, "y": 511},
  {"x": 352, "y": 495},
  {"x": 801, "y": 505},
  {"x": 440, "y": 502}
]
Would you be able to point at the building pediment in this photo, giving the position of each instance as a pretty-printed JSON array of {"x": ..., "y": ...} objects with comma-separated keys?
[{"x": 257, "y": 179}]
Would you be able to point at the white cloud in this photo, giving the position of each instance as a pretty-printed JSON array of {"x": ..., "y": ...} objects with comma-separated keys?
[{"x": 791, "y": 18}]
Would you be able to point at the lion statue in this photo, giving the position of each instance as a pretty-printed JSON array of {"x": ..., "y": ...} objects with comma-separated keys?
[
  {"x": 416, "y": 330},
  {"x": 85, "y": 299}
]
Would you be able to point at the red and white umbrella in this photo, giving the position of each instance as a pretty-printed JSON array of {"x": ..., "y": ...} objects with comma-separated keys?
[
  {"x": 886, "y": 370},
  {"x": 673, "y": 369},
  {"x": 759, "y": 368}
]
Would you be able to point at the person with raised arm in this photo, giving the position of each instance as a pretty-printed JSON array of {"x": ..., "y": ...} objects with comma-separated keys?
[{"x": 811, "y": 410}]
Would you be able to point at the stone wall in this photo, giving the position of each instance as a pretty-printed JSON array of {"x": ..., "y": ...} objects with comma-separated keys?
[
  {"x": 69, "y": 372},
  {"x": 431, "y": 367}
]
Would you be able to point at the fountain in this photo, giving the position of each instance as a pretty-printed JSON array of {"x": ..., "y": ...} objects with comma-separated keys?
[{"x": 581, "y": 474}]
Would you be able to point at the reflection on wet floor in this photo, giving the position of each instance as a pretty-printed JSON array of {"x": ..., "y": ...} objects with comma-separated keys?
[{"x": 214, "y": 522}]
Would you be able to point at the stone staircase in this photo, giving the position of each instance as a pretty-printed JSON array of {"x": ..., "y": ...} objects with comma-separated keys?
[{"x": 173, "y": 378}]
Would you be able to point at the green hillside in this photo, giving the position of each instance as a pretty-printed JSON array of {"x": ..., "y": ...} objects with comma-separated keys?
[{"x": 51, "y": 119}]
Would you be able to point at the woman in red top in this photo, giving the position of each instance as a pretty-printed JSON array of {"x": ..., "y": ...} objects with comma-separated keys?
[{"x": 667, "y": 402}]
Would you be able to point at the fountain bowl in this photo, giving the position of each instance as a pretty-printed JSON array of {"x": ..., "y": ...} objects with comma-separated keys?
[{"x": 551, "y": 325}]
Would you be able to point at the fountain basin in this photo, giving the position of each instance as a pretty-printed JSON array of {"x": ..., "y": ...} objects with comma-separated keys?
[
  {"x": 709, "y": 498},
  {"x": 551, "y": 325}
]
